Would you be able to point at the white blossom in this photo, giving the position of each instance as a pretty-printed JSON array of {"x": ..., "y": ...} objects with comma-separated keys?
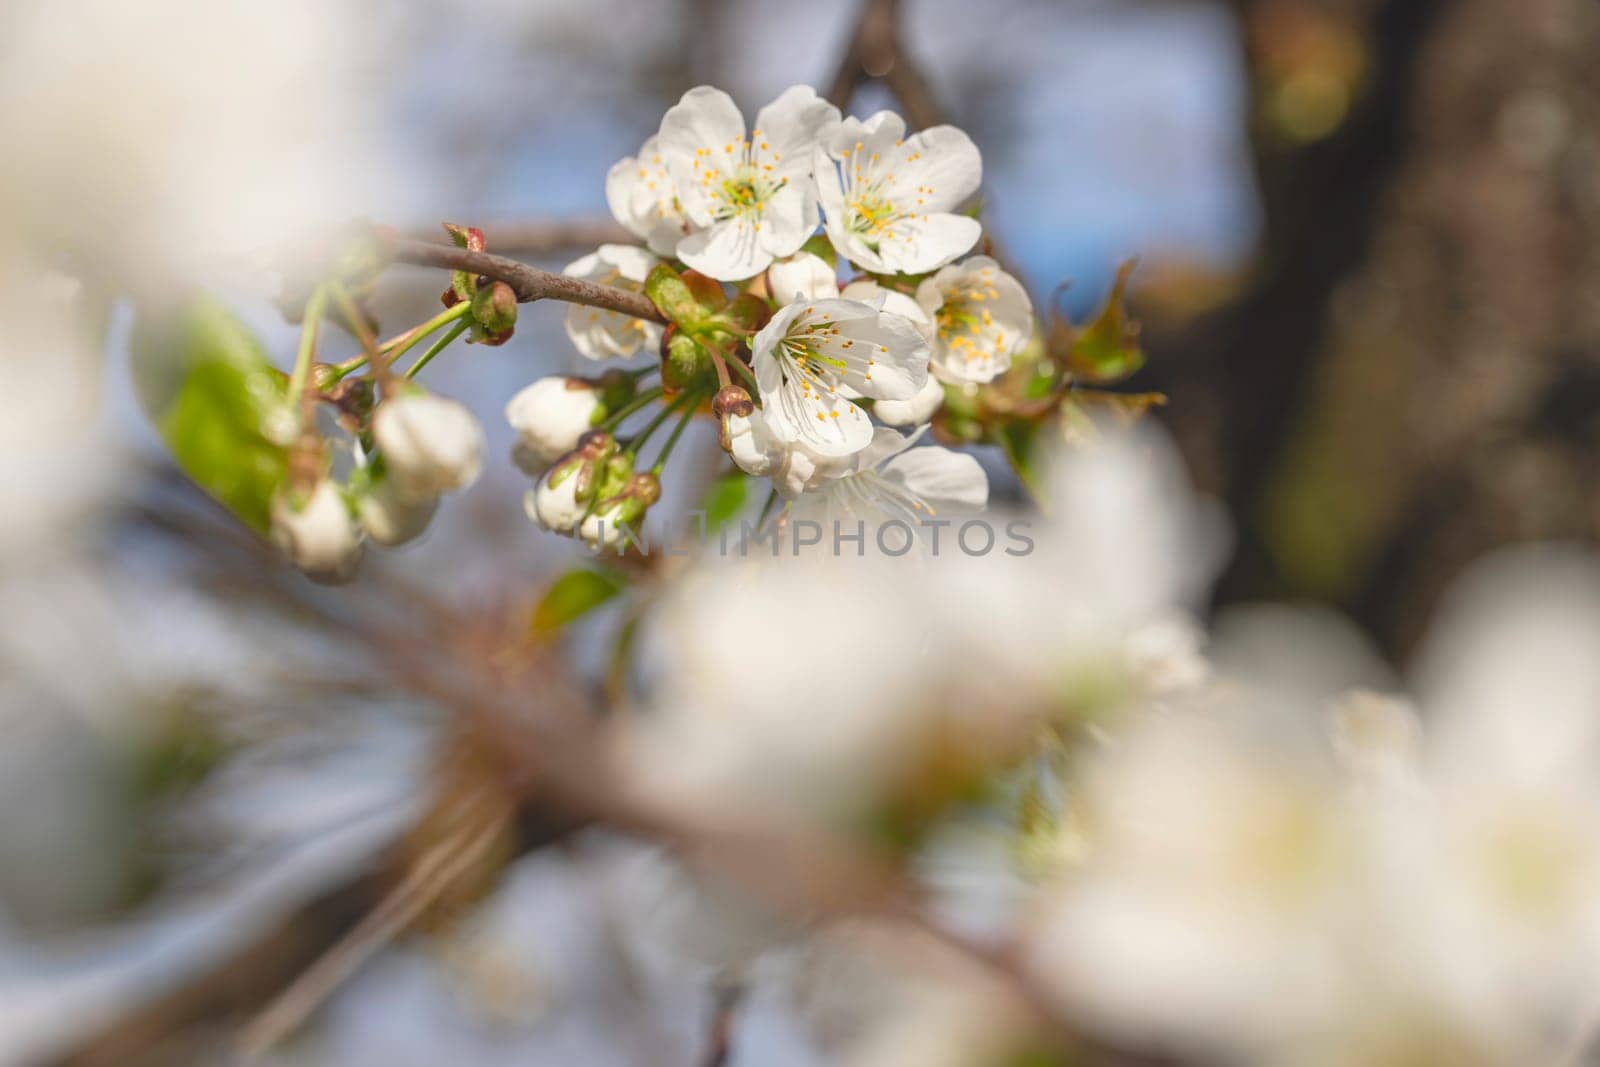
[
  {"x": 551, "y": 414},
  {"x": 319, "y": 536},
  {"x": 749, "y": 199},
  {"x": 642, "y": 197},
  {"x": 811, "y": 352},
  {"x": 982, "y": 318},
  {"x": 792, "y": 466},
  {"x": 889, "y": 200},
  {"x": 430, "y": 444},
  {"x": 602, "y": 334},
  {"x": 914, "y": 412},
  {"x": 891, "y": 480}
]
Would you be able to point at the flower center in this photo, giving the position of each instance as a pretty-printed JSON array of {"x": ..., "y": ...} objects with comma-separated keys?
[{"x": 871, "y": 215}]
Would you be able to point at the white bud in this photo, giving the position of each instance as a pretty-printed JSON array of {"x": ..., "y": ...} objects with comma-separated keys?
[
  {"x": 393, "y": 518},
  {"x": 430, "y": 444},
  {"x": 804, "y": 274},
  {"x": 549, "y": 417},
  {"x": 319, "y": 537},
  {"x": 556, "y": 507},
  {"x": 914, "y": 412}
]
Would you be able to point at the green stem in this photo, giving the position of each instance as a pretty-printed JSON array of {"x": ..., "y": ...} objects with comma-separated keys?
[
  {"x": 405, "y": 341},
  {"x": 438, "y": 346},
  {"x": 308, "y": 343},
  {"x": 745, "y": 372},
  {"x": 766, "y": 509},
  {"x": 666, "y": 412},
  {"x": 672, "y": 441},
  {"x": 617, "y": 417}
]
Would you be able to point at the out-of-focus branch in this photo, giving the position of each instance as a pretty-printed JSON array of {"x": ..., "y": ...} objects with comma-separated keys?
[
  {"x": 529, "y": 283},
  {"x": 876, "y": 50},
  {"x": 547, "y": 237}
]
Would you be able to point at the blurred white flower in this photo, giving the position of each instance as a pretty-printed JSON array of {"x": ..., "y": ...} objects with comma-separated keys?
[
  {"x": 56, "y": 464},
  {"x": 391, "y": 517},
  {"x": 889, "y": 200},
  {"x": 319, "y": 536},
  {"x": 170, "y": 142},
  {"x": 430, "y": 444},
  {"x": 602, "y": 334}
]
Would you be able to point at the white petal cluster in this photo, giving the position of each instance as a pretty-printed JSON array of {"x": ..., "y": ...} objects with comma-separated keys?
[
  {"x": 734, "y": 202},
  {"x": 430, "y": 444}
]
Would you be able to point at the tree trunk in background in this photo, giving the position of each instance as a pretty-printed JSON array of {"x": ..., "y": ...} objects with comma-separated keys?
[{"x": 1417, "y": 378}]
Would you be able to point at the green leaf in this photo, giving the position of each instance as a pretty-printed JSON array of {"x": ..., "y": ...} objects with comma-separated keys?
[
  {"x": 205, "y": 382},
  {"x": 1108, "y": 348},
  {"x": 1019, "y": 438},
  {"x": 819, "y": 246},
  {"x": 573, "y": 595},
  {"x": 724, "y": 499}
]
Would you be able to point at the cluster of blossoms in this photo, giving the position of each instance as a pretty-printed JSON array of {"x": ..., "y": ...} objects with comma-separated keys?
[{"x": 792, "y": 363}]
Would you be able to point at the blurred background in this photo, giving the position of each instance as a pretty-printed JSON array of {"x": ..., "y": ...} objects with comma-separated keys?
[{"x": 1368, "y": 235}]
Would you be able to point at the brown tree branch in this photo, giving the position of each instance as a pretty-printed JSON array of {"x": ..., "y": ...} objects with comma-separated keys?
[
  {"x": 545, "y": 237},
  {"x": 529, "y": 283}
]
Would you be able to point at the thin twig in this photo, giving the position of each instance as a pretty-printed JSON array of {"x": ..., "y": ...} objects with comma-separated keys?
[{"x": 529, "y": 283}]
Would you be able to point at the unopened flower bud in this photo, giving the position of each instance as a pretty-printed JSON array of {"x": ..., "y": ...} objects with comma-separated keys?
[
  {"x": 494, "y": 308},
  {"x": 551, "y": 414},
  {"x": 730, "y": 401},
  {"x": 430, "y": 444},
  {"x": 564, "y": 493},
  {"x": 914, "y": 412},
  {"x": 318, "y": 536},
  {"x": 603, "y": 526},
  {"x": 392, "y": 518}
]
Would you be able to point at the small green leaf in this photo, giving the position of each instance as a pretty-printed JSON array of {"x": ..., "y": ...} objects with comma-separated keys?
[
  {"x": 1019, "y": 438},
  {"x": 819, "y": 246},
  {"x": 724, "y": 499},
  {"x": 1107, "y": 350},
  {"x": 573, "y": 595},
  {"x": 205, "y": 382}
]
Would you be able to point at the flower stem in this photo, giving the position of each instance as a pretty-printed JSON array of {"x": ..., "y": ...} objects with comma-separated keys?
[
  {"x": 677, "y": 432},
  {"x": 617, "y": 417},
  {"x": 433, "y": 350},
  {"x": 401, "y": 342},
  {"x": 766, "y": 509},
  {"x": 666, "y": 412},
  {"x": 301, "y": 375},
  {"x": 745, "y": 372}
]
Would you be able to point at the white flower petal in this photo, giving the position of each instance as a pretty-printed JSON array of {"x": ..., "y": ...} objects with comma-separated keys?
[
  {"x": 789, "y": 219},
  {"x": 786, "y": 129},
  {"x": 914, "y": 412},
  {"x": 728, "y": 251},
  {"x": 643, "y": 197},
  {"x": 704, "y": 130},
  {"x": 944, "y": 480}
]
